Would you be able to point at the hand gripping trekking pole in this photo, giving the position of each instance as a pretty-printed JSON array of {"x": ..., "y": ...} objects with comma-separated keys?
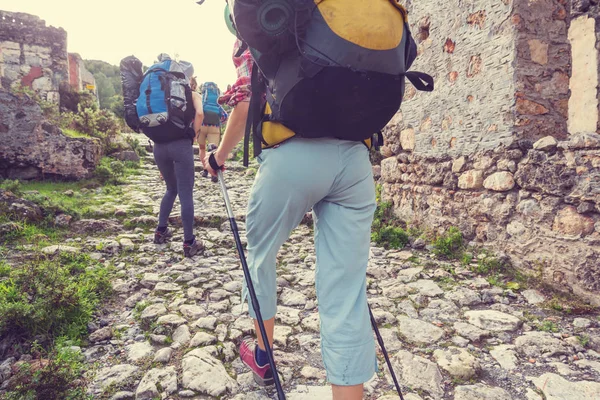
[
  {"x": 240, "y": 249},
  {"x": 385, "y": 354}
]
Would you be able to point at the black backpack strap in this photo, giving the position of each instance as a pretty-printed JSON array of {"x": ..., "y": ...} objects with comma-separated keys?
[
  {"x": 257, "y": 87},
  {"x": 420, "y": 80}
]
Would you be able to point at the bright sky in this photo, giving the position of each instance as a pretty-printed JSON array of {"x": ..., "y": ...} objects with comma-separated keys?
[{"x": 110, "y": 30}]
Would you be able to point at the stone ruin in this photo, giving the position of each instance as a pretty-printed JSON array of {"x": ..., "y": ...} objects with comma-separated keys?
[
  {"x": 507, "y": 147},
  {"x": 35, "y": 56}
]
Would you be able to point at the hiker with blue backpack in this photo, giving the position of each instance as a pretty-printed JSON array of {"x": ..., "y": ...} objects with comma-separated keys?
[
  {"x": 214, "y": 117},
  {"x": 161, "y": 104},
  {"x": 317, "y": 81}
]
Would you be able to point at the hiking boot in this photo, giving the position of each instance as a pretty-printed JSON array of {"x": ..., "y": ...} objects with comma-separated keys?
[
  {"x": 214, "y": 179},
  {"x": 204, "y": 174},
  {"x": 262, "y": 374},
  {"x": 190, "y": 250},
  {"x": 161, "y": 237}
]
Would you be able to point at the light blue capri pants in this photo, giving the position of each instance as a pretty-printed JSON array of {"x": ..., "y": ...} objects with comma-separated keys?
[{"x": 335, "y": 179}]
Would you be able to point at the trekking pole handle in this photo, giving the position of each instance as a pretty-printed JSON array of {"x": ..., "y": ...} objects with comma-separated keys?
[{"x": 212, "y": 147}]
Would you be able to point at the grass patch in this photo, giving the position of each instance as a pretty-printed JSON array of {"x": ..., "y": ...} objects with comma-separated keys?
[
  {"x": 45, "y": 307},
  {"x": 52, "y": 296},
  {"x": 450, "y": 244},
  {"x": 386, "y": 230},
  {"x": 54, "y": 375},
  {"x": 72, "y": 133}
]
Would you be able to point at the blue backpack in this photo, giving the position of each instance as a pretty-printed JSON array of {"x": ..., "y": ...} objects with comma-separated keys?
[
  {"x": 210, "y": 106},
  {"x": 163, "y": 94}
]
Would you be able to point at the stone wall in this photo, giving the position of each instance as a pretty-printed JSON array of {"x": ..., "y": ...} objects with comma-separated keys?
[
  {"x": 32, "y": 54},
  {"x": 495, "y": 149},
  {"x": 30, "y": 147},
  {"x": 79, "y": 77}
]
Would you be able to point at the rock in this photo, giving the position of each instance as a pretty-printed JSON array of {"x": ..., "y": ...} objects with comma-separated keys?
[
  {"x": 63, "y": 220},
  {"x": 288, "y": 315},
  {"x": 281, "y": 334},
  {"x": 206, "y": 323},
  {"x": 205, "y": 374},
  {"x": 556, "y": 387},
  {"x": 493, "y": 320},
  {"x": 472, "y": 179},
  {"x": 440, "y": 311},
  {"x": 126, "y": 155},
  {"x": 127, "y": 244},
  {"x": 311, "y": 322},
  {"x": 6, "y": 369},
  {"x": 407, "y": 139},
  {"x": 291, "y": 297},
  {"x": 153, "y": 311},
  {"x": 426, "y": 287},
  {"x": 166, "y": 287},
  {"x": 458, "y": 164},
  {"x": 309, "y": 372},
  {"x": 582, "y": 323},
  {"x": 101, "y": 334},
  {"x": 457, "y": 362},
  {"x": 547, "y": 143},
  {"x": 419, "y": 332},
  {"x": 123, "y": 395},
  {"x": 586, "y": 140},
  {"x": 470, "y": 331},
  {"x": 59, "y": 248},
  {"x": 202, "y": 339},
  {"x": 114, "y": 376},
  {"x": 533, "y": 296},
  {"x": 150, "y": 279},
  {"x": 537, "y": 344},
  {"x": 171, "y": 319},
  {"x": 31, "y": 147},
  {"x": 155, "y": 382},
  {"x": 418, "y": 373},
  {"x": 163, "y": 355},
  {"x": 569, "y": 222},
  {"x": 138, "y": 351},
  {"x": 506, "y": 356},
  {"x": 391, "y": 340},
  {"x": 480, "y": 391},
  {"x": 182, "y": 335},
  {"x": 464, "y": 297},
  {"x": 303, "y": 392},
  {"x": 192, "y": 312},
  {"x": 500, "y": 181},
  {"x": 95, "y": 225}
]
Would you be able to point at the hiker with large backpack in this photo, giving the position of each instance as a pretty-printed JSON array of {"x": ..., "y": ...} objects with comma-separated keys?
[
  {"x": 316, "y": 82},
  {"x": 169, "y": 113},
  {"x": 214, "y": 117}
]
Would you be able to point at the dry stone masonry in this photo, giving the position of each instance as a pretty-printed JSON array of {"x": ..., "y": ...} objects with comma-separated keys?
[
  {"x": 35, "y": 55},
  {"x": 508, "y": 145}
]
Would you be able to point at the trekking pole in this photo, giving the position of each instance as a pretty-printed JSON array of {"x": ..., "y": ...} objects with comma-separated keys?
[
  {"x": 385, "y": 354},
  {"x": 255, "y": 305}
]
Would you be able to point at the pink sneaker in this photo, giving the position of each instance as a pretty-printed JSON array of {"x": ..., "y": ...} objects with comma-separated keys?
[{"x": 262, "y": 375}]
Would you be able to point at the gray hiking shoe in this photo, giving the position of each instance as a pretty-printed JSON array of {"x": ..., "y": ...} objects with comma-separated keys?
[
  {"x": 190, "y": 250},
  {"x": 161, "y": 237}
]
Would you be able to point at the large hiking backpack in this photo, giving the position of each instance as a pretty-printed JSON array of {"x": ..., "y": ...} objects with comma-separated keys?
[
  {"x": 131, "y": 78},
  {"x": 163, "y": 94},
  {"x": 332, "y": 68},
  {"x": 211, "y": 109}
]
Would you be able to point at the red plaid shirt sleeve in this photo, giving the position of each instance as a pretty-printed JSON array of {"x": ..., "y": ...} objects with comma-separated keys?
[{"x": 240, "y": 90}]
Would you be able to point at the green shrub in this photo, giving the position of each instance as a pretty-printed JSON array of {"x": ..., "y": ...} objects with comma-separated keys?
[
  {"x": 390, "y": 237},
  {"x": 110, "y": 171},
  {"x": 134, "y": 143},
  {"x": 53, "y": 296},
  {"x": 55, "y": 375},
  {"x": 13, "y": 186},
  {"x": 450, "y": 244}
]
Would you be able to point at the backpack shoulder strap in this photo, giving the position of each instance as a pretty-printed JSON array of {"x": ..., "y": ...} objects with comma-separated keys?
[{"x": 258, "y": 87}]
